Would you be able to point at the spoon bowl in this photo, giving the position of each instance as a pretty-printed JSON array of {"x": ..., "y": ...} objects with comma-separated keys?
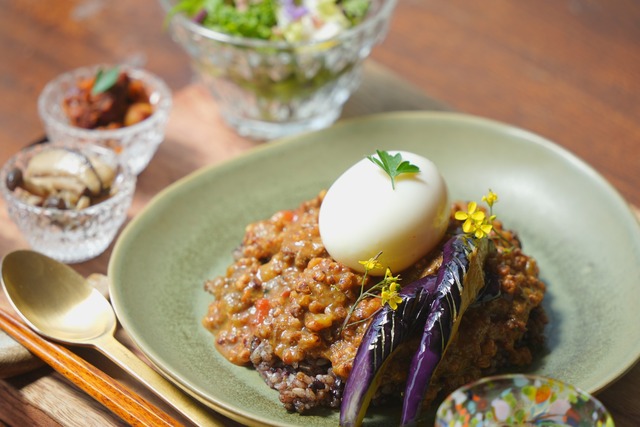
[
  {"x": 55, "y": 300},
  {"x": 58, "y": 303}
]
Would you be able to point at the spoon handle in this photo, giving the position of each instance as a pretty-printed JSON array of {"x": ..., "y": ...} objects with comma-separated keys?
[
  {"x": 138, "y": 369},
  {"x": 119, "y": 399}
]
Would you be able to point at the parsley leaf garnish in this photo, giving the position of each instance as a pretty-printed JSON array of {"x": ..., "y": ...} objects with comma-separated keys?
[
  {"x": 105, "y": 80},
  {"x": 393, "y": 165}
]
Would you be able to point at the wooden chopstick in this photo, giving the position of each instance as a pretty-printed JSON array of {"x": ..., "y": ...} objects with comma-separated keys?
[{"x": 116, "y": 397}]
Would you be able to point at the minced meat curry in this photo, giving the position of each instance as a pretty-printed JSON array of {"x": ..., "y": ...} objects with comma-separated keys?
[{"x": 281, "y": 306}]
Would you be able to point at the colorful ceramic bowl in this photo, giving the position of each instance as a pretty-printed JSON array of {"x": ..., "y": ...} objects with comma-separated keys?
[{"x": 521, "y": 400}]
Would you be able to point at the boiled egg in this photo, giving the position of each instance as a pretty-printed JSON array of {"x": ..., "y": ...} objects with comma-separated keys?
[{"x": 363, "y": 215}]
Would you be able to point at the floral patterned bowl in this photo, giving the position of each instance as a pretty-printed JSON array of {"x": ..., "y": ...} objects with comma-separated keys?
[{"x": 521, "y": 400}]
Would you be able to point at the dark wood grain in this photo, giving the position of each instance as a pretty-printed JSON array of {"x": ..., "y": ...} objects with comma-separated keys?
[{"x": 567, "y": 70}]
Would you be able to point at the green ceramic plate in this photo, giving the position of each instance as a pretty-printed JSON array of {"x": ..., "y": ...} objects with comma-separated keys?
[{"x": 581, "y": 231}]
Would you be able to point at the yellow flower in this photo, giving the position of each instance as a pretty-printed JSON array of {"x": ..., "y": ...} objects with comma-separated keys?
[
  {"x": 389, "y": 278},
  {"x": 478, "y": 223},
  {"x": 390, "y": 295},
  {"x": 472, "y": 217},
  {"x": 482, "y": 229},
  {"x": 371, "y": 263},
  {"x": 490, "y": 198}
]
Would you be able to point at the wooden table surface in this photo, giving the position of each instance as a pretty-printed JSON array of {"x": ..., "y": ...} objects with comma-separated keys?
[{"x": 569, "y": 71}]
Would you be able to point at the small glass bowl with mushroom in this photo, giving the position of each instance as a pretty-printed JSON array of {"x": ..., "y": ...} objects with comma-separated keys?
[
  {"x": 120, "y": 107},
  {"x": 68, "y": 200}
]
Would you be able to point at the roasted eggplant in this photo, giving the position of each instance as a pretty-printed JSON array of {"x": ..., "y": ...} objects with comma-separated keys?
[
  {"x": 460, "y": 280},
  {"x": 388, "y": 329},
  {"x": 432, "y": 306}
]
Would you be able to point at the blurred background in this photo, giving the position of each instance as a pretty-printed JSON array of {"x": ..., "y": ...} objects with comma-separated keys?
[{"x": 568, "y": 70}]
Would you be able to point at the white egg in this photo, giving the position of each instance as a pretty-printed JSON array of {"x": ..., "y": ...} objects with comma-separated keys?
[{"x": 362, "y": 215}]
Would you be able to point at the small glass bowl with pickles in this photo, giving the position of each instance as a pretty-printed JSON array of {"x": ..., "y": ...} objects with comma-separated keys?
[
  {"x": 119, "y": 107},
  {"x": 68, "y": 200}
]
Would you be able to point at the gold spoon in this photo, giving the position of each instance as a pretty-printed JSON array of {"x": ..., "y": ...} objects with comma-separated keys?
[{"x": 57, "y": 302}]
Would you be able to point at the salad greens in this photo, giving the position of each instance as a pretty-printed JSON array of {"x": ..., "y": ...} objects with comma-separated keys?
[{"x": 288, "y": 20}]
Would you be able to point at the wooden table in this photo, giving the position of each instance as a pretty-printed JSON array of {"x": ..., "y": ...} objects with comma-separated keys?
[{"x": 569, "y": 71}]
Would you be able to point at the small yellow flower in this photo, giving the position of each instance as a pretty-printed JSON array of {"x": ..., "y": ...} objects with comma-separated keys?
[
  {"x": 390, "y": 295},
  {"x": 389, "y": 278},
  {"x": 490, "y": 198},
  {"x": 478, "y": 223},
  {"x": 482, "y": 229},
  {"x": 371, "y": 263},
  {"x": 472, "y": 217}
]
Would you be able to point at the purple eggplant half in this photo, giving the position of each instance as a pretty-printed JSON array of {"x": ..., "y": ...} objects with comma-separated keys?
[
  {"x": 461, "y": 279},
  {"x": 432, "y": 306},
  {"x": 388, "y": 329}
]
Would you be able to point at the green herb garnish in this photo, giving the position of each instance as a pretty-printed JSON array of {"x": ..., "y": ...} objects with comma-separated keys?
[
  {"x": 393, "y": 165},
  {"x": 256, "y": 19},
  {"x": 105, "y": 80}
]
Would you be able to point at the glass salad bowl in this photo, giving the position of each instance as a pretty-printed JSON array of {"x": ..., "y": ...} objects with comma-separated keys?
[{"x": 267, "y": 88}]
